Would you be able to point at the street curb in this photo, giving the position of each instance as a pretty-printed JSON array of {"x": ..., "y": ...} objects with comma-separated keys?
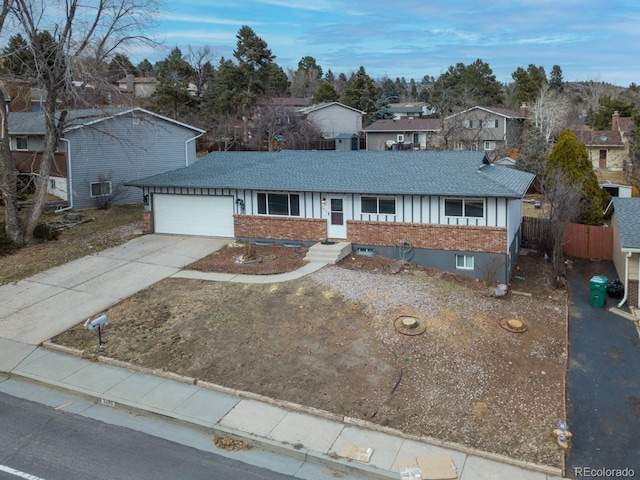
[
  {"x": 277, "y": 447},
  {"x": 544, "y": 469}
]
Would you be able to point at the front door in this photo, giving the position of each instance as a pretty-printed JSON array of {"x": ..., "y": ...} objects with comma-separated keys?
[
  {"x": 336, "y": 222},
  {"x": 603, "y": 159}
]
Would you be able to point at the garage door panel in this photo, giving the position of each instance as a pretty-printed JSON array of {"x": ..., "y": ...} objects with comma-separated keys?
[{"x": 193, "y": 215}]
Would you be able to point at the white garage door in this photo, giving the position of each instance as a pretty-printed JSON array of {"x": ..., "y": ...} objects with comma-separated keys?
[{"x": 193, "y": 215}]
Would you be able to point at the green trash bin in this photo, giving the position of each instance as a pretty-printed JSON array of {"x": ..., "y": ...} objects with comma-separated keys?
[{"x": 598, "y": 291}]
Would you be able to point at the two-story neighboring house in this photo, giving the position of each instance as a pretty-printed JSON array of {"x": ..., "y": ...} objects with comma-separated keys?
[
  {"x": 404, "y": 134},
  {"x": 100, "y": 149},
  {"x": 334, "y": 118},
  {"x": 410, "y": 109},
  {"x": 483, "y": 128},
  {"x": 606, "y": 149},
  {"x": 139, "y": 87}
]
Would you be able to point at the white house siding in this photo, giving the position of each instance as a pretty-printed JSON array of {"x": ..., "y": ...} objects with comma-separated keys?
[
  {"x": 58, "y": 187},
  {"x": 124, "y": 149},
  {"x": 335, "y": 119},
  {"x": 409, "y": 208}
]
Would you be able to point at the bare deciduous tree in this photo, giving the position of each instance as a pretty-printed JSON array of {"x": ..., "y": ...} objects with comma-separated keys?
[
  {"x": 549, "y": 113},
  {"x": 68, "y": 41},
  {"x": 564, "y": 205}
]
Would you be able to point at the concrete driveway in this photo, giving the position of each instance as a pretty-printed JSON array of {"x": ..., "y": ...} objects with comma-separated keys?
[
  {"x": 603, "y": 381},
  {"x": 37, "y": 308}
]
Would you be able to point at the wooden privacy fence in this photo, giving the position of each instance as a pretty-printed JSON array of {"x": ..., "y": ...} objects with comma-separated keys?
[{"x": 582, "y": 241}]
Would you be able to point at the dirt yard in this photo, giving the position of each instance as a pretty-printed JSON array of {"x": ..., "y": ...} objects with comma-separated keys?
[{"x": 329, "y": 340}]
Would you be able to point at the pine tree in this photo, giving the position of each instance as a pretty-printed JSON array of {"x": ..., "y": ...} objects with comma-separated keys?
[{"x": 569, "y": 162}]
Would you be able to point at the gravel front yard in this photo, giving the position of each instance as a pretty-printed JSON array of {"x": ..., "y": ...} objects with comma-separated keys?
[{"x": 330, "y": 341}]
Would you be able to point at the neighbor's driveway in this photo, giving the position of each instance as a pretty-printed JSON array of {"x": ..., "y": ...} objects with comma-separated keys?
[
  {"x": 603, "y": 381},
  {"x": 37, "y": 308}
]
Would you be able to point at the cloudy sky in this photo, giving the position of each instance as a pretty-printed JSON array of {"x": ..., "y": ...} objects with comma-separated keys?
[{"x": 589, "y": 39}]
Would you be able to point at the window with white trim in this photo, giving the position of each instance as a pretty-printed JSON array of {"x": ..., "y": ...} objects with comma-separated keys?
[
  {"x": 400, "y": 138},
  {"x": 489, "y": 145},
  {"x": 286, "y": 204},
  {"x": 22, "y": 143},
  {"x": 491, "y": 123},
  {"x": 100, "y": 189},
  {"x": 468, "y": 123},
  {"x": 378, "y": 205},
  {"x": 464, "y": 207},
  {"x": 464, "y": 262}
]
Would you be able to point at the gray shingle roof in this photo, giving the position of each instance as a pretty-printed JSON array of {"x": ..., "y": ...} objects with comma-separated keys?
[
  {"x": 627, "y": 211},
  {"x": 32, "y": 123},
  {"x": 404, "y": 125},
  {"x": 417, "y": 173}
]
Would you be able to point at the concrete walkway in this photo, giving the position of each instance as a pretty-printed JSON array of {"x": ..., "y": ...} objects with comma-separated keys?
[{"x": 36, "y": 309}]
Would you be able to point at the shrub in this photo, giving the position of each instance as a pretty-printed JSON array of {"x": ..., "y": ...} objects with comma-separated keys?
[{"x": 46, "y": 232}]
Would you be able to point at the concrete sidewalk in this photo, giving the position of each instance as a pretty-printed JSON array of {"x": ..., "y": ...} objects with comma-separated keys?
[
  {"x": 276, "y": 426},
  {"x": 36, "y": 309}
]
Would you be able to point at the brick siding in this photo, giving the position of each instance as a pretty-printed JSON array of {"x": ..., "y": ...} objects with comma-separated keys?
[
  {"x": 280, "y": 228},
  {"x": 146, "y": 221},
  {"x": 437, "y": 237},
  {"x": 632, "y": 294}
]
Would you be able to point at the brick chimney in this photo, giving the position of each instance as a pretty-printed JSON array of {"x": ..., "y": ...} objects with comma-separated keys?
[
  {"x": 615, "y": 121},
  {"x": 523, "y": 109},
  {"x": 130, "y": 79}
]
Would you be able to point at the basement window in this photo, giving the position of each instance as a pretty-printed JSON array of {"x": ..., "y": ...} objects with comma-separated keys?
[{"x": 464, "y": 262}]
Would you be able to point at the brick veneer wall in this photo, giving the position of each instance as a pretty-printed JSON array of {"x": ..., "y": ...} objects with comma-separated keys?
[
  {"x": 632, "y": 295},
  {"x": 285, "y": 228},
  {"x": 146, "y": 221},
  {"x": 437, "y": 237}
]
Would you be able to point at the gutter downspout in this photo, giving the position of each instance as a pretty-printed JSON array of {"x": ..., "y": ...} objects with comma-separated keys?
[
  {"x": 626, "y": 279},
  {"x": 186, "y": 149},
  {"x": 69, "y": 178}
]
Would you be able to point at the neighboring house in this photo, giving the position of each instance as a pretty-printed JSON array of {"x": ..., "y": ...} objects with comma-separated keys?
[
  {"x": 606, "y": 149},
  {"x": 403, "y": 134},
  {"x": 625, "y": 222},
  {"x": 409, "y": 109},
  {"x": 139, "y": 87},
  {"x": 483, "y": 128},
  {"x": 100, "y": 149},
  {"x": 448, "y": 210},
  {"x": 334, "y": 118}
]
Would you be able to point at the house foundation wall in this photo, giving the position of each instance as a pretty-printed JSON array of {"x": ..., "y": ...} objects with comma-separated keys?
[
  {"x": 275, "y": 228},
  {"x": 487, "y": 266}
]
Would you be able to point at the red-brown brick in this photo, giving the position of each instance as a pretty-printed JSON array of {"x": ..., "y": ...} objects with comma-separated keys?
[
  {"x": 146, "y": 221},
  {"x": 285, "y": 228},
  {"x": 436, "y": 237}
]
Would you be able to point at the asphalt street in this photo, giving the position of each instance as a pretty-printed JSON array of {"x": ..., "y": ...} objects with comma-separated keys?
[{"x": 53, "y": 444}]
